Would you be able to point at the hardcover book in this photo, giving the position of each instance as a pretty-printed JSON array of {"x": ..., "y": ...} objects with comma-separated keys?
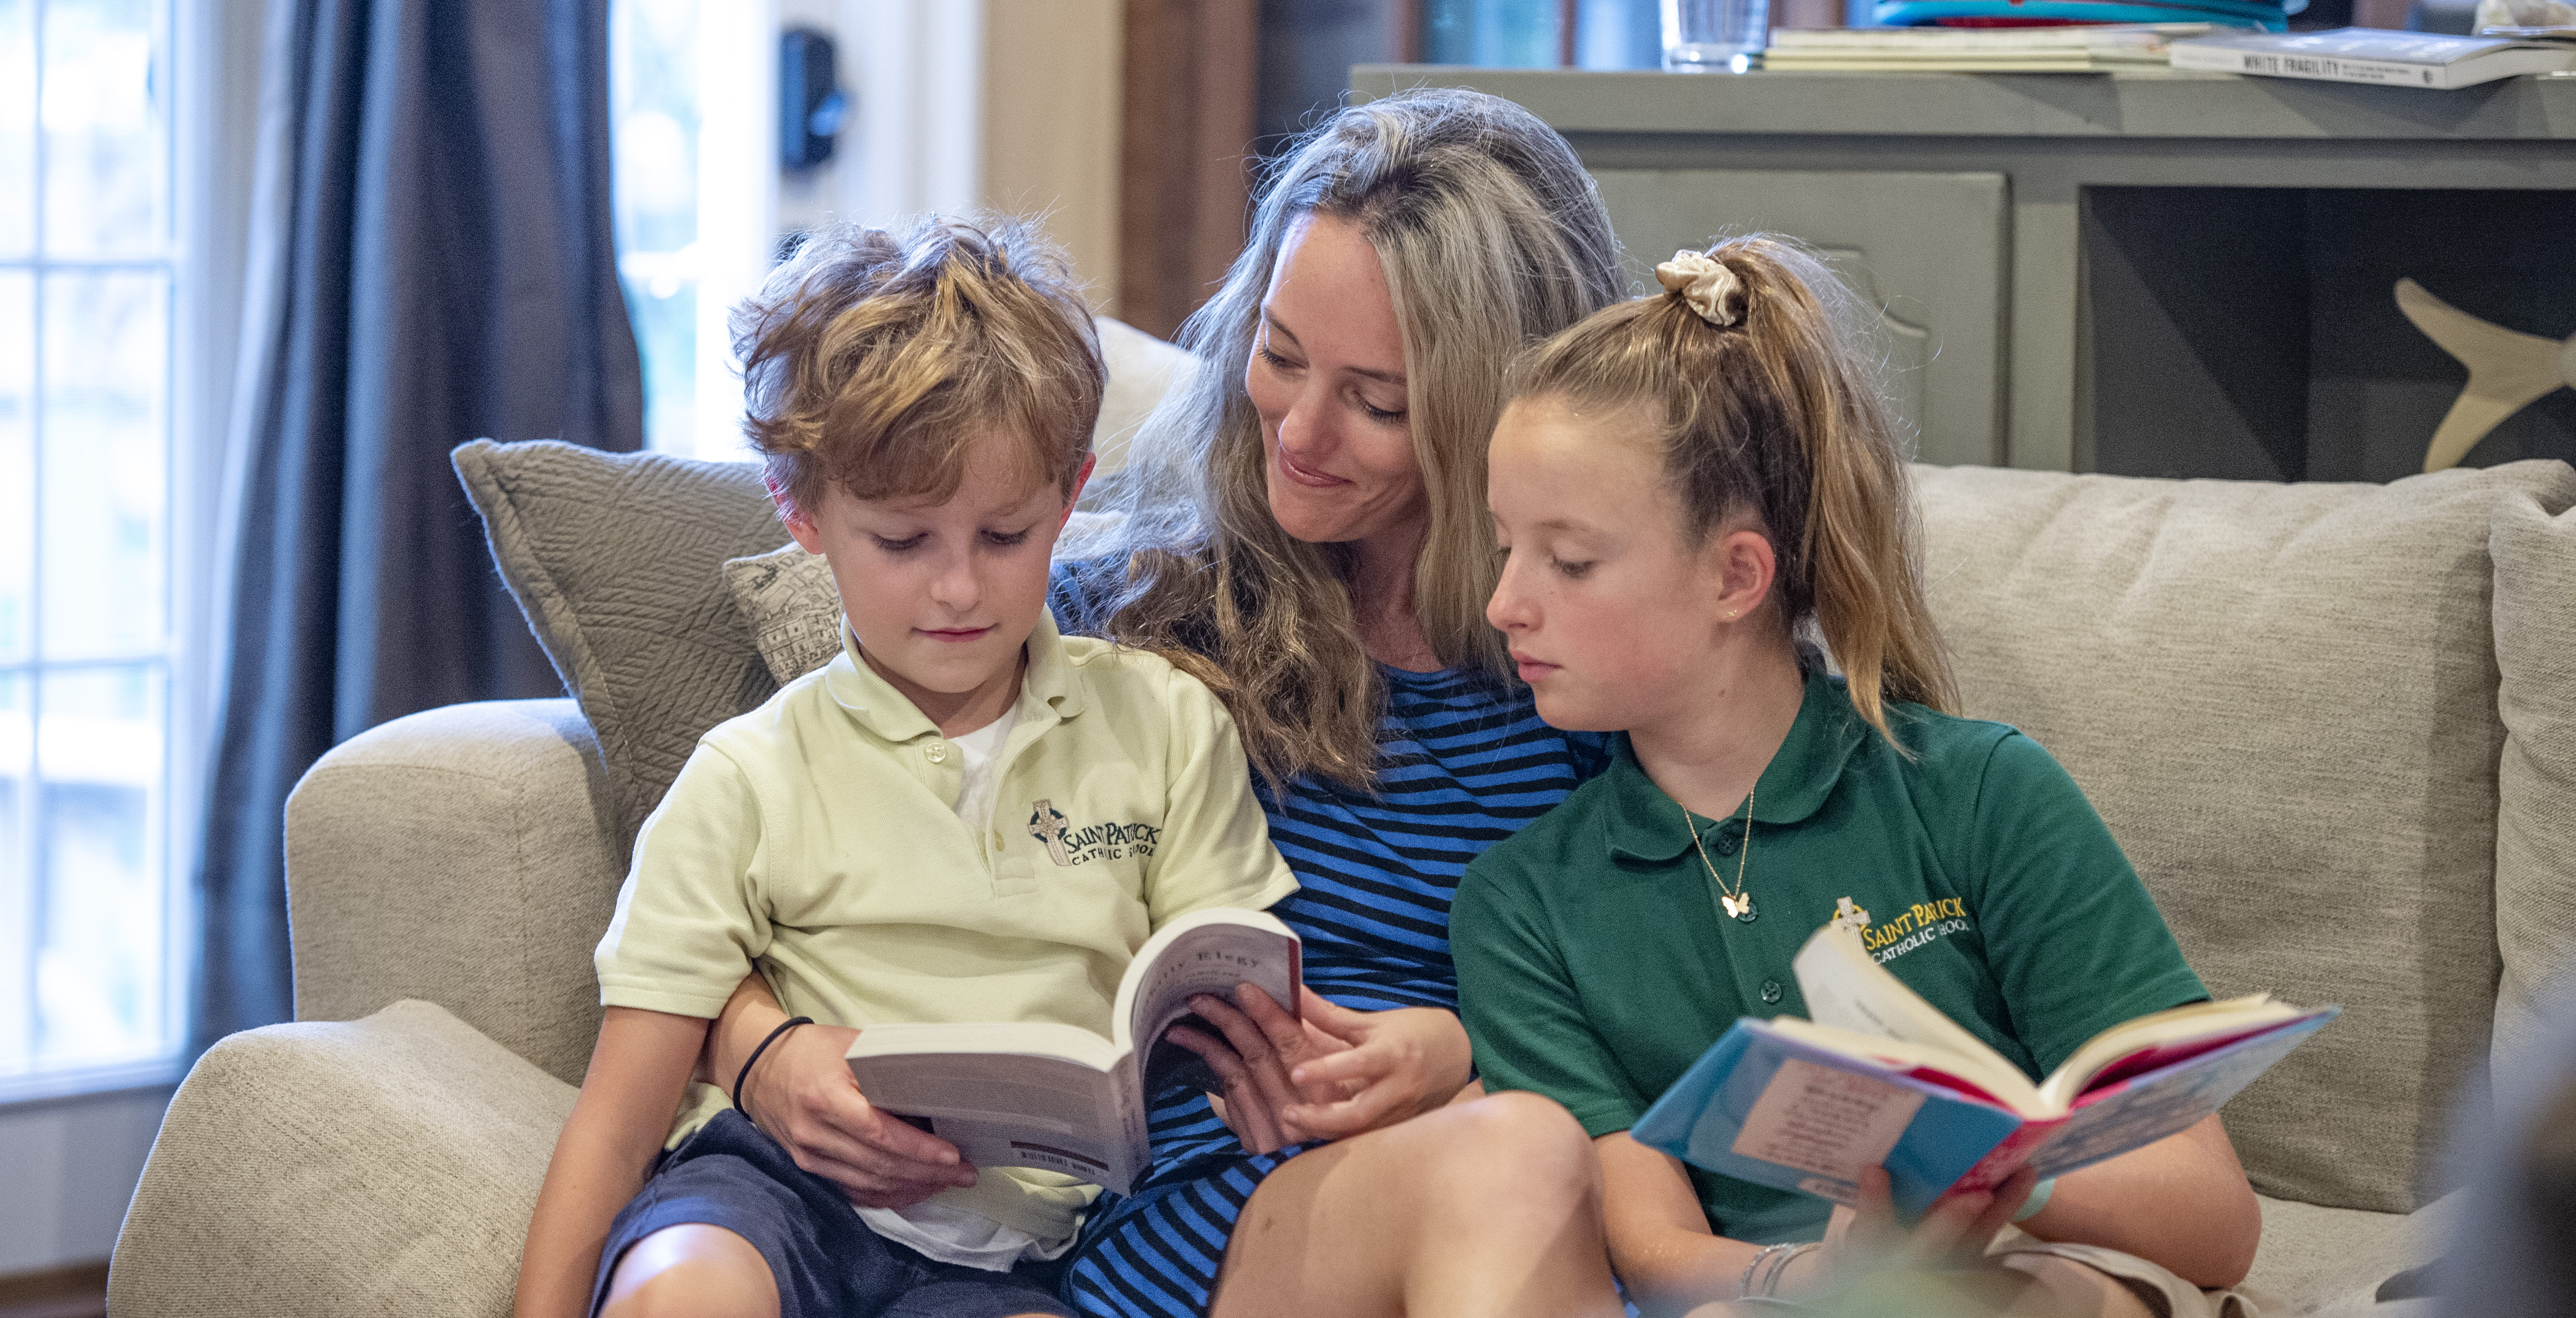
[{"x": 1882, "y": 1078}]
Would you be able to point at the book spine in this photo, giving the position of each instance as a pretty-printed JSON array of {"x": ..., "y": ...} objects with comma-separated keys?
[
  {"x": 2321, "y": 68},
  {"x": 2006, "y": 1158}
]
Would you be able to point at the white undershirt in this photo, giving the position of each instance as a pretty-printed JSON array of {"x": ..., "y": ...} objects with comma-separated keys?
[
  {"x": 976, "y": 752},
  {"x": 947, "y": 1234}
]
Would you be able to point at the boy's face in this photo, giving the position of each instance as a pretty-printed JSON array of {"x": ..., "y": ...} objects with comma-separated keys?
[{"x": 942, "y": 594}]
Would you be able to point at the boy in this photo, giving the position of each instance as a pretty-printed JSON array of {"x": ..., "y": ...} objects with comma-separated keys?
[{"x": 882, "y": 837}]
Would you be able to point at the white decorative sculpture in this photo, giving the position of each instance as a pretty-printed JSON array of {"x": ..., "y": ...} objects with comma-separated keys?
[{"x": 2507, "y": 370}]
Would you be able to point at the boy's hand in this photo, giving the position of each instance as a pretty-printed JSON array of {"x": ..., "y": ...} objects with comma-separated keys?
[
  {"x": 801, "y": 1093},
  {"x": 1335, "y": 1073}
]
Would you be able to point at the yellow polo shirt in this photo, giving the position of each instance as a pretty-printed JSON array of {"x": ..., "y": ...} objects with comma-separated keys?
[{"x": 816, "y": 837}]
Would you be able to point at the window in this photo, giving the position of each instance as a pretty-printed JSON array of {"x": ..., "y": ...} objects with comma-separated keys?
[
  {"x": 88, "y": 278},
  {"x": 696, "y": 186}
]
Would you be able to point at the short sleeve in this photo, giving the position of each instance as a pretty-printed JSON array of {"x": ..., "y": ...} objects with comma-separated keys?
[
  {"x": 1522, "y": 1013},
  {"x": 1214, "y": 849},
  {"x": 2073, "y": 938},
  {"x": 688, "y": 924}
]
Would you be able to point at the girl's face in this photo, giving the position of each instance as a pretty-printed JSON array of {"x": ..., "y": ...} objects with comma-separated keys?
[
  {"x": 1612, "y": 617},
  {"x": 1327, "y": 376}
]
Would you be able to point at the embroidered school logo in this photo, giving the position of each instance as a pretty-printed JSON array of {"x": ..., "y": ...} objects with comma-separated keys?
[
  {"x": 1919, "y": 925},
  {"x": 1850, "y": 916},
  {"x": 1047, "y": 824},
  {"x": 1067, "y": 845}
]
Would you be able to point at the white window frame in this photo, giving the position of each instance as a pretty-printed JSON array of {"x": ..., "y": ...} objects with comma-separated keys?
[{"x": 214, "y": 50}]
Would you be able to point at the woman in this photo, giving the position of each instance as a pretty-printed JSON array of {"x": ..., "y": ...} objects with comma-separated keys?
[{"x": 1308, "y": 533}]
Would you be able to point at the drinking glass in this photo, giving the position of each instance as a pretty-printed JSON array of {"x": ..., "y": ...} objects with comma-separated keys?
[{"x": 1715, "y": 36}]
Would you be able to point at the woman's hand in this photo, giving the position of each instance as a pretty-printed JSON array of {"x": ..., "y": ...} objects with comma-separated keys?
[
  {"x": 801, "y": 1094},
  {"x": 1334, "y": 1074}
]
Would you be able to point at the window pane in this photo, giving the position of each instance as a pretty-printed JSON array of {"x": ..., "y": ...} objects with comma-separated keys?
[
  {"x": 17, "y": 463},
  {"x": 100, "y": 908},
  {"x": 17, "y": 127},
  {"x": 653, "y": 77},
  {"x": 105, "y": 480},
  {"x": 106, "y": 146},
  {"x": 17, "y": 903}
]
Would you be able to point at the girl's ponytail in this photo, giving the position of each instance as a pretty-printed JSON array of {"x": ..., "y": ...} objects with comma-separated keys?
[{"x": 1770, "y": 408}]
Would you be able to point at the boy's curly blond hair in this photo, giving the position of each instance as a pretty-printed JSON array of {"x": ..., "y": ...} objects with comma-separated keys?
[{"x": 873, "y": 359}]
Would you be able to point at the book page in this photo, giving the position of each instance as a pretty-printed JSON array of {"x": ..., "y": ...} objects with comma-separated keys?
[
  {"x": 1832, "y": 1123},
  {"x": 1007, "y": 1109},
  {"x": 1847, "y": 989},
  {"x": 2153, "y": 1042},
  {"x": 2133, "y": 1113},
  {"x": 1207, "y": 952}
]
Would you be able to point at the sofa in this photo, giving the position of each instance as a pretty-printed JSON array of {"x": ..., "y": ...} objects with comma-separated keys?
[{"x": 2334, "y": 726}]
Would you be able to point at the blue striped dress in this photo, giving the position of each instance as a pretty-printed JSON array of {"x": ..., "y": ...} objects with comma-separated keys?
[{"x": 1465, "y": 763}]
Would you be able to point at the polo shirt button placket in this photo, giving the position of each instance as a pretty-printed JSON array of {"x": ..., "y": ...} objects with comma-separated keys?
[
  {"x": 1770, "y": 990},
  {"x": 938, "y": 752}
]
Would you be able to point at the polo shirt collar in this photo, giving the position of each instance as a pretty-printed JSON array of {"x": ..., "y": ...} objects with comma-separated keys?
[
  {"x": 889, "y": 714},
  {"x": 1642, "y": 823}
]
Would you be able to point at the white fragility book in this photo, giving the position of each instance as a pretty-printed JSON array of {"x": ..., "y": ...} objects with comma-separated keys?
[
  {"x": 2373, "y": 55},
  {"x": 1060, "y": 1098}
]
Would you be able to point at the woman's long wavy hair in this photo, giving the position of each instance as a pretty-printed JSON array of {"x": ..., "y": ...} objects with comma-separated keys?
[
  {"x": 1491, "y": 236},
  {"x": 1778, "y": 416}
]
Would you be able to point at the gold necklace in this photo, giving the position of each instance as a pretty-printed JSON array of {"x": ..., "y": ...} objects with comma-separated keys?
[{"x": 1737, "y": 901}]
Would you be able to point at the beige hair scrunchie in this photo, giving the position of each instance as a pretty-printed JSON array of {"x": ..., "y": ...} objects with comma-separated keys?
[{"x": 1706, "y": 284}]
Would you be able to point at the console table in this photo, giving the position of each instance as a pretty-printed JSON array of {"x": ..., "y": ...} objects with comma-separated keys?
[{"x": 2152, "y": 272}]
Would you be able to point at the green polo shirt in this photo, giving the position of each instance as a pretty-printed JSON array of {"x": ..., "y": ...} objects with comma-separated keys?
[{"x": 1594, "y": 965}]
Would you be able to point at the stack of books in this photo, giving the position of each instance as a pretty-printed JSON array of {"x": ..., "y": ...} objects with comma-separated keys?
[
  {"x": 2269, "y": 15},
  {"x": 2098, "y": 49}
]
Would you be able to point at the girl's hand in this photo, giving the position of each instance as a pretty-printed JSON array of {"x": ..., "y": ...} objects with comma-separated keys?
[
  {"x": 1953, "y": 1233},
  {"x": 800, "y": 1091},
  {"x": 1334, "y": 1074}
]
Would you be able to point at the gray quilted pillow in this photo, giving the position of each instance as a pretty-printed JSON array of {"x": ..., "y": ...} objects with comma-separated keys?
[{"x": 618, "y": 558}]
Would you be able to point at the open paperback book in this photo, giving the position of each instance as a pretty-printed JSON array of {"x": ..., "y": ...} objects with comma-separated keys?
[
  {"x": 1059, "y": 1097},
  {"x": 1882, "y": 1078}
]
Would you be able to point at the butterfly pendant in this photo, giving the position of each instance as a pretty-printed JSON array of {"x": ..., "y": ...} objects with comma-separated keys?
[{"x": 1740, "y": 907}]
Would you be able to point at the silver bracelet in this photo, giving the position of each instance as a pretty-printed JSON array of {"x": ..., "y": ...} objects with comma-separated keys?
[
  {"x": 1780, "y": 1266},
  {"x": 1744, "y": 1286}
]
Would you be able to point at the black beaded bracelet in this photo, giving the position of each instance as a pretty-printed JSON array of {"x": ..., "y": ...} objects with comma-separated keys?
[{"x": 791, "y": 1023}]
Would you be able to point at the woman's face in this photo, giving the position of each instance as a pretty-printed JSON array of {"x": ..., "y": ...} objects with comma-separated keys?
[{"x": 1327, "y": 376}]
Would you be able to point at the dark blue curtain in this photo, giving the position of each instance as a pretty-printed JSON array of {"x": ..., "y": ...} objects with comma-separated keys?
[{"x": 437, "y": 241}]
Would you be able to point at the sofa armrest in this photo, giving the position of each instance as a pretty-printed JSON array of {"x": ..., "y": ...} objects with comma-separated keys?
[
  {"x": 382, "y": 1166},
  {"x": 463, "y": 856},
  {"x": 2332, "y": 1260}
]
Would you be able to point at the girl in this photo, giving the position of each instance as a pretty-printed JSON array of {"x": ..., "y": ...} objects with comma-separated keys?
[{"x": 1689, "y": 490}]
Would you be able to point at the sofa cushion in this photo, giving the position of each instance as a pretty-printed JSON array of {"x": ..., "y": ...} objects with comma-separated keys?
[
  {"x": 383, "y": 1166},
  {"x": 617, "y": 558},
  {"x": 2282, "y": 698},
  {"x": 2535, "y": 640}
]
